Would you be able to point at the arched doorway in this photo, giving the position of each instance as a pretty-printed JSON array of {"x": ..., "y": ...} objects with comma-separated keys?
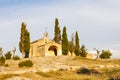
[{"x": 53, "y": 50}]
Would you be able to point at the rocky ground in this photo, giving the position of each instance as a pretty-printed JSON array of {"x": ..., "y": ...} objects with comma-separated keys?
[{"x": 55, "y": 63}]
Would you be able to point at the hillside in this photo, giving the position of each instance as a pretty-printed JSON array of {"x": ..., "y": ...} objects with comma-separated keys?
[{"x": 51, "y": 68}]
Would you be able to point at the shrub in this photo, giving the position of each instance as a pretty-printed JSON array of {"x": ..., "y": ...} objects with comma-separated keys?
[
  {"x": 105, "y": 54},
  {"x": 87, "y": 71},
  {"x": 2, "y": 60},
  {"x": 16, "y": 58},
  {"x": 27, "y": 63},
  {"x": 8, "y": 55}
]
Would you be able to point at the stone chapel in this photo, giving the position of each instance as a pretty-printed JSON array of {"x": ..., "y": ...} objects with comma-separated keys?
[{"x": 45, "y": 47}]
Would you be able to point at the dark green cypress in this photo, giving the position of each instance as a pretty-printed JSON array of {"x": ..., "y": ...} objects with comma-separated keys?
[
  {"x": 64, "y": 42},
  {"x": 24, "y": 44},
  {"x": 77, "y": 45},
  {"x": 57, "y": 32}
]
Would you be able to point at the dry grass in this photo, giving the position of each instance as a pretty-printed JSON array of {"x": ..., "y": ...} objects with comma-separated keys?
[
  {"x": 66, "y": 75},
  {"x": 69, "y": 75},
  {"x": 73, "y": 75},
  {"x": 6, "y": 76},
  {"x": 52, "y": 62},
  {"x": 93, "y": 62}
]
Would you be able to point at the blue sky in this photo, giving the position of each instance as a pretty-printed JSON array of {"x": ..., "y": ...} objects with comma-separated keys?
[{"x": 97, "y": 21}]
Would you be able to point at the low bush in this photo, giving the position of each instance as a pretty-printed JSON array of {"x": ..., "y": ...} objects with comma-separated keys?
[
  {"x": 87, "y": 71},
  {"x": 2, "y": 60},
  {"x": 8, "y": 55},
  {"x": 105, "y": 54},
  {"x": 16, "y": 58},
  {"x": 27, "y": 63}
]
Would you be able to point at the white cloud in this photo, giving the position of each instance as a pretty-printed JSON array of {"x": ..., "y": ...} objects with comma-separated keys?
[
  {"x": 115, "y": 53},
  {"x": 116, "y": 45}
]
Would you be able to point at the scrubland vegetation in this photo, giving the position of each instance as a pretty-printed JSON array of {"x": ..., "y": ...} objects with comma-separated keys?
[
  {"x": 89, "y": 69},
  {"x": 102, "y": 74}
]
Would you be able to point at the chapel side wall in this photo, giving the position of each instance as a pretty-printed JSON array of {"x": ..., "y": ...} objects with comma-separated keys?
[
  {"x": 46, "y": 50},
  {"x": 31, "y": 50},
  {"x": 41, "y": 51},
  {"x": 35, "y": 51}
]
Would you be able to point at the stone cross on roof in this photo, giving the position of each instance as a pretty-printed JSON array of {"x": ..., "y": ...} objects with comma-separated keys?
[{"x": 46, "y": 35}]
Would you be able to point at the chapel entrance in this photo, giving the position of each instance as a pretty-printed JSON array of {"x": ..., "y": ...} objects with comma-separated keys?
[{"x": 53, "y": 50}]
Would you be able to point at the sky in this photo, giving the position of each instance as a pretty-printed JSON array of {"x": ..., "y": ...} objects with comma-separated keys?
[{"x": 97, "y": 22}]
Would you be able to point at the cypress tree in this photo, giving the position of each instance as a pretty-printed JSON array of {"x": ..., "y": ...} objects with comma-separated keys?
[
  {"x": 64, "y": 42},
  {"x": 77, "y": 45},
  {"x": 24, "y": 44},
  {"x": 57, "y": 32},
  {"x": 83, "y": 52},
  {"x": 71, "y": 45}
]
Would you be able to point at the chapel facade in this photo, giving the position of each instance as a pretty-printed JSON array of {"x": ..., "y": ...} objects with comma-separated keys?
[{"x": 45, "y": 47}]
